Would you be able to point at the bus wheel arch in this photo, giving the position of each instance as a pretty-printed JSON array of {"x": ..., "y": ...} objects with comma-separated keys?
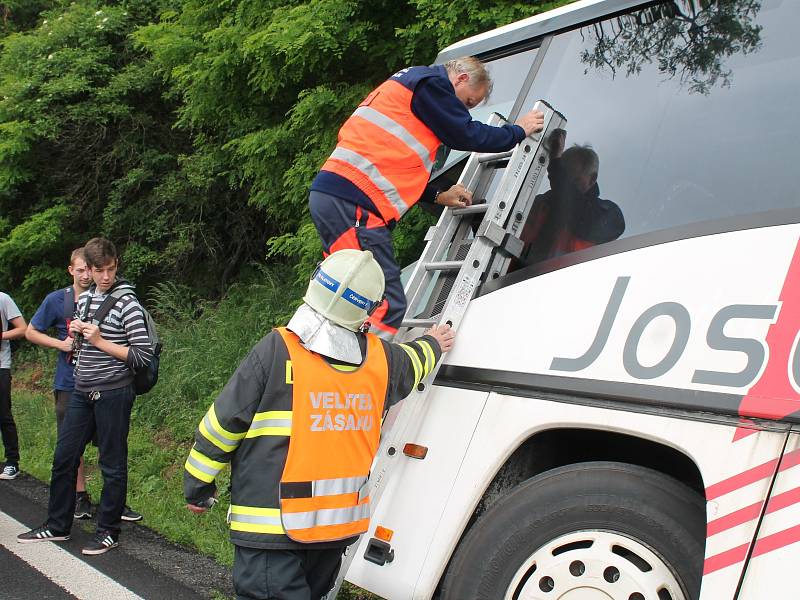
[{"x": 564, "y": 446}]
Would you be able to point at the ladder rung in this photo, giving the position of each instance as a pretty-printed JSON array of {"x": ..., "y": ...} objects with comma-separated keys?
[
  {"x": 485, "y": 158},
  {"x": 470, "y": 210},
  {"x": 445, "y": 265},
  {"x": 419, "y": 322}
]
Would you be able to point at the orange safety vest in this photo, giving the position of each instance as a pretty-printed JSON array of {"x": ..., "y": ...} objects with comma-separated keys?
[
  {"x": 386, "y": 151},
  {"x": 336, "y": 419}
]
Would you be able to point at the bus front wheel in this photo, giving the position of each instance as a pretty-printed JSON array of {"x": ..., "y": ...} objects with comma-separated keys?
[{"x": 588, "y": 531}]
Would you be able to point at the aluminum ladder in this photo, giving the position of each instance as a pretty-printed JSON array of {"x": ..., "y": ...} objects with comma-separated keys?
[{"x": 466, "y": 247}]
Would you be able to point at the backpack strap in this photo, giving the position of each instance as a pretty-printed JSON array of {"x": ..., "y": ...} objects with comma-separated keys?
[
  {"x": 69, "y": 303},
  {"x": 114, "y": 296}
]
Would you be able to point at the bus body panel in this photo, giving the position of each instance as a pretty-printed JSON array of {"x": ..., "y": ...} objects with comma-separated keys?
[
  {"x": 771, "y": 571},
  {"x": 507, "y": 421},
  {"x": 418, "y": 490},
  {"x": 664, "y": 306}
]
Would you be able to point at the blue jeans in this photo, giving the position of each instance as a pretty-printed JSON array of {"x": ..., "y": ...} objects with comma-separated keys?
[{"x": 109, "y": 414}]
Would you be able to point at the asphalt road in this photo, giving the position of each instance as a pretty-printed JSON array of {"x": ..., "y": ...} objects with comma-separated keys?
[{"x": 144, "y": 565}]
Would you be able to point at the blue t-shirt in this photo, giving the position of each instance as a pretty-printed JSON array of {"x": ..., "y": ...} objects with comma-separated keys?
[{"x": 50, "y": 314}]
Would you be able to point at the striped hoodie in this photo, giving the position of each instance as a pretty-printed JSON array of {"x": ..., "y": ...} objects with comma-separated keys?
[{"x": 124, "y": 325}]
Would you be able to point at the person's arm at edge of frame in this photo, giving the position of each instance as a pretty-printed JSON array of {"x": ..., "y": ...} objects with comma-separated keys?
[
  {"x": 16, "y": 329},
  {"x": 223, "y": 427}
]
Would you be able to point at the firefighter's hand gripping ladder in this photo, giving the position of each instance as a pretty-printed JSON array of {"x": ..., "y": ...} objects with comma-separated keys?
[{"x": 466, "y": 247}]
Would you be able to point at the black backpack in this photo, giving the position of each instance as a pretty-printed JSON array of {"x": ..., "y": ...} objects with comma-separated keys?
[{"x": 144, "y": 378}]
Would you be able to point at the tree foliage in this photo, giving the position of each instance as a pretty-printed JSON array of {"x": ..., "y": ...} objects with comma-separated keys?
[{"x": 188, "y": 131}]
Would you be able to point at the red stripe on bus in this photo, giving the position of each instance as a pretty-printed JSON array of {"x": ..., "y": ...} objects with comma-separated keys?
[
  {"x": 743, "y": 515},
  {"x": 790, "y": 459},
  {"x": 725, "y": 559},
  {"x": 731, "y": 484},
  {"x": 764, "y": 545},
  {"x": 757, "y": 473},
  {"x": 750, "y": 513},
  {"x": 773, "y": 396},
  {"x": 776, "y": 541},
  {"x": 783, "y": 500}
]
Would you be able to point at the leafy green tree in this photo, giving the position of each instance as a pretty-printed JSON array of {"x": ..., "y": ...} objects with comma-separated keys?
[{"x": 188, "y": 131}]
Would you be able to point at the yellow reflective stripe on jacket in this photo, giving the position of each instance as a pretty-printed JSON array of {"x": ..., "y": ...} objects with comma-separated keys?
[
  {"x": 430, "y": 357},
  {"x": 271, "y": 422},
  {"x": 415, "y": 362},
  {"x": 254, "y": 519},
  {"x": 202, "y": 467},
  {"x": 217, "y": 434}
]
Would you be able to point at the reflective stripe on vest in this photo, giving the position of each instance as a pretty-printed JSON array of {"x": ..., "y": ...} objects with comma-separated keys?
[
  {"x": 327, "y": 517},
  {"x": 335, "y": 433},
  {"x": 333, "y": 487},
  {"x": 386, "y": 151},
  {"x": 397, "y": 130},
  {"x": 389, "y": 192},
  {"x": 254, "y": 519}
]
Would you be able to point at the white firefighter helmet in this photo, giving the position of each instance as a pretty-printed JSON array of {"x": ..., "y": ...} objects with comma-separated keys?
[{"x": 344, "y": 290}]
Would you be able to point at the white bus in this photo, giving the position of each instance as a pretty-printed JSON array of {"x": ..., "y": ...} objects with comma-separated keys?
[{"x": 619, "y": 417}]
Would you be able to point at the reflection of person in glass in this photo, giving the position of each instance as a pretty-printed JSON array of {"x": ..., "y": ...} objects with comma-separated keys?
[{"x": 571, "y": 215}]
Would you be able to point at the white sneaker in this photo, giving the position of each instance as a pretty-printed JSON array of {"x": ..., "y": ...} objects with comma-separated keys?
[{"x": 10, "y": 472}]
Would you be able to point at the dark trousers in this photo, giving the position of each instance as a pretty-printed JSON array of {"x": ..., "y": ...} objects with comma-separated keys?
[
  {"x": 336, "y": 221},
  {"x": 7, "y": 425},
  {"x": 284, "y": 574},
  {"x": 107, "y": 413}
]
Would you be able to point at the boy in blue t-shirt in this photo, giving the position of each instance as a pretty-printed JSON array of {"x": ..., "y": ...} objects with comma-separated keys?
[{"x": 55, "y": 312}]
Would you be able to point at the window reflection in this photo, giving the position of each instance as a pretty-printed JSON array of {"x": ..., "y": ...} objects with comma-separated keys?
[
  {"x": 690, "y": 108},
  {"x": 571, "y": 215}
]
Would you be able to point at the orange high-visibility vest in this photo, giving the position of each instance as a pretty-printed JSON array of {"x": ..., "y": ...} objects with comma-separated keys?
[
  {"x": 336, "y": 419},
  {"x": 386, "y": 151}
]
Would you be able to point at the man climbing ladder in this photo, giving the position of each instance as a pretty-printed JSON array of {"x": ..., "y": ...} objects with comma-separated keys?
[{"x": 384, "y": 158}]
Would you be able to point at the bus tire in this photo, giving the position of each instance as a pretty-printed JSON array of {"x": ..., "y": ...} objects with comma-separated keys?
[{"x": 607, "y": 529}]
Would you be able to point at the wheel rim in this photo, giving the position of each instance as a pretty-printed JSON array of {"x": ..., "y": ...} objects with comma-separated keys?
[{"x": 594, "y": 565}]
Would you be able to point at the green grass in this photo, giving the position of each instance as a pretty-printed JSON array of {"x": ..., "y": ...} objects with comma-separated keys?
[
  {"x": 203, "y": 345},
  {"x": 154, "y": 478}
]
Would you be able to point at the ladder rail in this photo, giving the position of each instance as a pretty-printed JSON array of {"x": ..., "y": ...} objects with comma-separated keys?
[{"x": 501, "y": 261}]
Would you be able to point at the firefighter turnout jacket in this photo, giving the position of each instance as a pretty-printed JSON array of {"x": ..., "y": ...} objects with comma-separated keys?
[{"x": 301, "y": 433}]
